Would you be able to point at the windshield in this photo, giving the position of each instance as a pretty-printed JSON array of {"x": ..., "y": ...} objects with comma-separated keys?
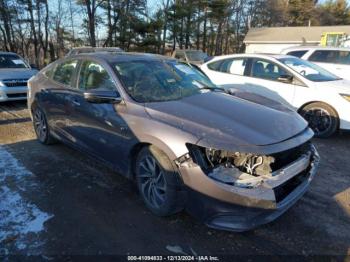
[
  {"x": 308, "y": 70},
  {"x": 154, "y": 81},
  {"x": 196, "y": 55},
  {"x": 11, "y": 61}
]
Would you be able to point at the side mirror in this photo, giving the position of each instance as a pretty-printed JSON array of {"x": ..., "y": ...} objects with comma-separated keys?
[
  {"x": 285, "y": 79},
  {"x": 102, "y": 96}
]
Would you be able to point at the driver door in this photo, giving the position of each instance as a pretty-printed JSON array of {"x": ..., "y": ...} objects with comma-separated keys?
[
  {"x": 271, "y": 80},
  {"x": 98, "y": 127}
]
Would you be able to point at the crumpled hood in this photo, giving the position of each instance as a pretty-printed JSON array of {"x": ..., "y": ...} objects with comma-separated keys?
[
  {"x": 341, "y": 86},
  {"x": 216, "y": 116},
  {"x": 12, "y": 73}
]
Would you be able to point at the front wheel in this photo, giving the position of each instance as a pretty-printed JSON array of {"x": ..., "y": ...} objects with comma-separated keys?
[
  {"x": 41, "y": 127},
  {"x": 158, "y": 182},
  {"x": 322, "y": 119}
]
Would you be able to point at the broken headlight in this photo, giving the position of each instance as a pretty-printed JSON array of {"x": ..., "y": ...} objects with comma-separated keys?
[{"x": 235, "y": 168}]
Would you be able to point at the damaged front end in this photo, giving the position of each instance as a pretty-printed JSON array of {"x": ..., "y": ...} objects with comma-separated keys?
[{"x": 268, "y": 184}]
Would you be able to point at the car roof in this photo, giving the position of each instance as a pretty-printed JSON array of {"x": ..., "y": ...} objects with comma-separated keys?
[
  {"x": 112, "y": 57},
  {"x": 317, "y": 48},
  {"x": 7, "y": 53},
  {"x": 252, "y": 55},
  {"x": 89, "y": 49},
  {"x": 188, "y": 50}
]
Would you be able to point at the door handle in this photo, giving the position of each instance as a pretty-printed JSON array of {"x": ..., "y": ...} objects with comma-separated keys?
[
  {"x": 44, "y": 91},
  {"x": 75, "y": 102}
]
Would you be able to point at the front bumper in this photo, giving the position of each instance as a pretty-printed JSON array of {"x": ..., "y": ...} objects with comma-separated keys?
[
  {"x": 344, "y": 124},
  {"x": 231, "y": 208},
  {"x": 13, "y": 93}
]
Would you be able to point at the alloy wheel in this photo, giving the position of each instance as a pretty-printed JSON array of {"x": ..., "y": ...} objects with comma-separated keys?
[
  {"x": 319, "y": 120},
  {"x": 40, "y": 124},
  {"x": 153, "y": 185}
]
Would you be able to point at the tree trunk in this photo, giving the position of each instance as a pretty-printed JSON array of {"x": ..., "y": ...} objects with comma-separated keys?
[
  {"x": 32, "y": 26},
  {"x": 90, "y": 6},
  {"x": 46, "y": 43},
  {"x": 204, "y": 45},
  {"x": 6, "y": 21},
  {"x": 198, "y": 26},
  {"x": 165, "y": 25},
  {"x": 188, "y": 26},
  {"x": 218, "y": 39},
  {"x": 71, "y": 20}
]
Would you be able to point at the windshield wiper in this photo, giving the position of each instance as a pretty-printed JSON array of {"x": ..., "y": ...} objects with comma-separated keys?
[{"x": 213, "y": 88}]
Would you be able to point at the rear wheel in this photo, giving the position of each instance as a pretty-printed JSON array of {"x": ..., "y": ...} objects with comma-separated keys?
[
  {"x": 41, "y": 127},
  {"x": 322, "y": 118},
  {"x": 158, "y": 182}
]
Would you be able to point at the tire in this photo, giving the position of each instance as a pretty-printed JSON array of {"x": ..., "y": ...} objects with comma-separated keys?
[
  {"x": 41, "y": 128},
  {"x": 159, "y": 184},
  {"x": 322, "y": 119}
]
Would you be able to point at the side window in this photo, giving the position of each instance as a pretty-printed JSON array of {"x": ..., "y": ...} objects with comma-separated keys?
[
  {"x": 215, "y": 66},
  {"x": 232, "y": 66},
  {"x": 94, "y": 76},
  {"x": 237, "y": 66},
  {"x": 50, "y": 71},
  {"x": 344, "y": 57},
  {"x": 298, "y": 53},
  {"x": 324, "y": 56},
  {"x": 64, "y": 72},
  {"x": 267, "y": 70}
]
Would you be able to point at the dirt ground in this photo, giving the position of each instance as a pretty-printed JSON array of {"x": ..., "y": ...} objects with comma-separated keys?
[{"x": 75, "y": 206}]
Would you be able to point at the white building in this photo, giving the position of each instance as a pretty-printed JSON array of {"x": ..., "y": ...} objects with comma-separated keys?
[{"x": 275, "y": 39}]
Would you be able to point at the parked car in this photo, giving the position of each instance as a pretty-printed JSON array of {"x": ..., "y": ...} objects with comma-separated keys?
[
  {"x": 88, "y": 49},
  {"x": 322, "y": 98},
  {"x": 14, "y": 74},
  {"x": 195, "y": 57},
  {"x": 334, "y": 59},
  {"x": 186, "y": 143}
]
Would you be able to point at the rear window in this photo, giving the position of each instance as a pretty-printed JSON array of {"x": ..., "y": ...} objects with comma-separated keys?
[
  {"x": 235, "y": 66},
  {"x": 65, "y": 71},
  {"x": 298, "y": 53},
  {"x": 215, "y": 65},
  {"x": 49, "y": 71}
]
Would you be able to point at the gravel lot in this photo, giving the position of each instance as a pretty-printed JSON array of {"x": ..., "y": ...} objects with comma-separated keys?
[{"x": 57, "y": 201}]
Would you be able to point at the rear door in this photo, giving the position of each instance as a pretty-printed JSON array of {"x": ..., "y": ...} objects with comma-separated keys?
[
  {"x": 228, "y": 73},
  {"x": 56, "y": 94}
]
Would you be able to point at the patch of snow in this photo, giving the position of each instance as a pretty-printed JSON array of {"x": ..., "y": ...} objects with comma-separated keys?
[{"x": 20, "y": 220}]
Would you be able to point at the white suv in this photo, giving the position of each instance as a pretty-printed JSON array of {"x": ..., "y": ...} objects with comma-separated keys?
[
  {"x": 322, "y": 98},
  {"x": 334, "y": 59}
]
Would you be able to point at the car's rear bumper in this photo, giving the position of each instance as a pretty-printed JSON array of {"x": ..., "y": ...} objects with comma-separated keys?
[
  {"x": 13, "y": 93},
  {"x": 237, "y": 210}
]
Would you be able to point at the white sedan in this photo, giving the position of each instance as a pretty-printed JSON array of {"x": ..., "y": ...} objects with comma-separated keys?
[{"x": 322, "y": 98}]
